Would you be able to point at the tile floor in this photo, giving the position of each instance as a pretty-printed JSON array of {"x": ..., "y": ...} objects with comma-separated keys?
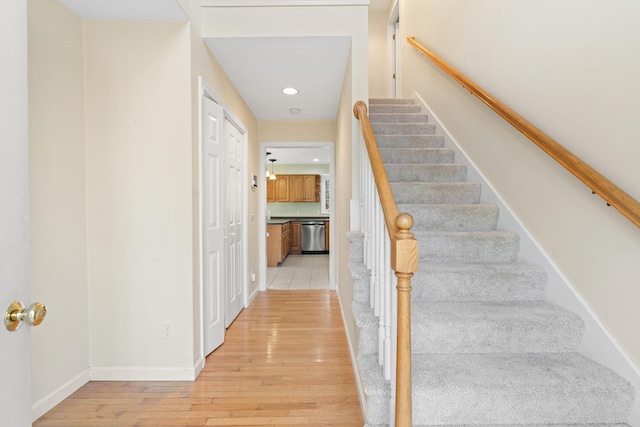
[{"x": 300, "y": 272}]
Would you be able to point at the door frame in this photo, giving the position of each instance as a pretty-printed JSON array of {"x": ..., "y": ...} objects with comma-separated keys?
[
  {"x": 262, "y": 207},
  {"x": 394, "y": 48},
  {"x": 204, "y": 90}
]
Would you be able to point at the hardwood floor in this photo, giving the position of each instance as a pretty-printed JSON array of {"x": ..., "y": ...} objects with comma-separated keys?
[{"x": 285, "y": 361}]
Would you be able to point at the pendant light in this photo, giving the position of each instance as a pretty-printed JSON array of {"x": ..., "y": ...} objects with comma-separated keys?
[{"x": 272, "y": 177}]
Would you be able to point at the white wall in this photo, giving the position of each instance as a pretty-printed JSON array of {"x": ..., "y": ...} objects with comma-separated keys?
[
  {"x": 378, "y": 55},
  {"x": 570, "y": 68},
  {"x": 60, "y": 346},
  {"x": 139, "y": 194}
]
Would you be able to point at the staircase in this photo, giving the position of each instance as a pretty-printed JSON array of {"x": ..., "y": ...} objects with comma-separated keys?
[{"x": 487, "y": 348}]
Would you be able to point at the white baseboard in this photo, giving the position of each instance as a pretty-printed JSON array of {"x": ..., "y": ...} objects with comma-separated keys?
[
  {"x": 198, "y": 367},
  {"x": 47, "y": 403},
  {"x": 354, "y": 363},
  {"x": 143, "y": 374}
]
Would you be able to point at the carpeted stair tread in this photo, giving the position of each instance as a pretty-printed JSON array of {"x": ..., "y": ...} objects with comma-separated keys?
[
  {"x": 425, "y": 173},
  {"x": 398, "y": 118},
  {"x": 493, "y": 327},
  {"x": 410, "y": 141},
  {"x": 468, "y": 246},
  {"x": 460, "y": 217},
  {"x": 436, "y": 192},
  {"x": 417, "y": 155},
  {"x": 478, "y": 282},
  {"x": 516, "y": 388}
]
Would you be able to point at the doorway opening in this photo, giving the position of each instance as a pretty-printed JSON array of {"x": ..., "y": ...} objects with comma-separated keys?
[{"x": 287, "y": 213}]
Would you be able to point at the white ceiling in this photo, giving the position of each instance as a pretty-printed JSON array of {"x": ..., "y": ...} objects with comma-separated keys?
[
  {"x": 299, "y": 155},
  {"x": 261, "y": 67},
  {"x": 164, "y": 10}
]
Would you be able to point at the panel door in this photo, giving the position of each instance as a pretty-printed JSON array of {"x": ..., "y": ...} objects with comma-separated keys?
[
  {"x": 15, "y": 363},
  {"x": 213, "y": 224},
  {"x": 234, "y": 156}
]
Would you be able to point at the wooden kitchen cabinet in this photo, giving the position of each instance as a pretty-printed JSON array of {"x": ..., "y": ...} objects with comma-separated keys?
[
  {"x": 296, "y": 238},
  {"x": 303, "y": 188},
  {"x": 278, "y": 243},
  {"x": 282, "y": 188},
  {"x": 271, "y": 190},
  {"x": 326, "y": 236},
  {"x": 294, "y": 188}
]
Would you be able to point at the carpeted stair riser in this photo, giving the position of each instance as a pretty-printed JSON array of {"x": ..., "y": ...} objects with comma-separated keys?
[
  {"x": 398, "y": 118},
  {"x": 417, "y": 155},
  {"x": 478, "y": 282},
  {"x": 425, "y": 173},
  {"x": 403, "y": 129},
  {"x": 493, "y": 327},
  {"x": 391, "y": 101},
  {"x": 436, "y": 192},
  {"x": 468, "y": 246},
  {"x": 394, "y": 109},
  {"x": 410, "y": 141},
  {"x": 516, "y": 388},
  {"x": 487, "y": 349},
  {"x": 475, "y": 217}
]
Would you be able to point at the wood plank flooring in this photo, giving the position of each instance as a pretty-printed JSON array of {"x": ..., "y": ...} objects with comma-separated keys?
[{"x": 285, "y": 361}]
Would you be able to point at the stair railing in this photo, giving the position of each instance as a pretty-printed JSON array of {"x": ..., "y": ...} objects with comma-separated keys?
[
  {"x": 612, "y": 194},
  {"x": 388, "y": 243}
]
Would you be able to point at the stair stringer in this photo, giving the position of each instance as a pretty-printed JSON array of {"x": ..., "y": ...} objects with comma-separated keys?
[{"x": 597, "y": 343}]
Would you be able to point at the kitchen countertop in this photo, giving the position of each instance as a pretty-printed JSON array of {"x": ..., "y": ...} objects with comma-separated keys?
[{"x": 284, "y": 220}]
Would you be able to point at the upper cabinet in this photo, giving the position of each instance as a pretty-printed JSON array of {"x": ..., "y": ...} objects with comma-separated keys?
[
  {"x": 282, "y": 188},
  {"x": 294, "y": 188},
  {"x": 271, "y": 190}
]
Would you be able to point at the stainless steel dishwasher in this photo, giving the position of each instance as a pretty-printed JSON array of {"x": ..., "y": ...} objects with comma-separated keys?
[{"x": 312, "y": 236}]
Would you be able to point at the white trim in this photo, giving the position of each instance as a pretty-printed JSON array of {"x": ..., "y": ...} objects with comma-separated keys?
[
  {"x": 598, "y": 343},
  {"x": 48, "y": 402},
  {"x": 392, "y": 49},
  {"x": 201, "y": 93},
  {"x": 354, "y": 363},
  {"x": 198, "y": 367},
  {"x": 272, "y": 3},
  {"x": 142, "y": 374}
]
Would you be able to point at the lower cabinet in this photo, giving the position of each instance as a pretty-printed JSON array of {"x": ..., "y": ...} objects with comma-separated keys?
[
  {"x": 326, "y": 236},
  {"x": 278, "y": 243},
  {"x": 296, "y": 238}
]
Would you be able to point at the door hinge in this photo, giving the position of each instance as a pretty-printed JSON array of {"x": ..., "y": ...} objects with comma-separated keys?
[
  {"x": 394, "y": 36},
  {"x": 394, "y": 76}
]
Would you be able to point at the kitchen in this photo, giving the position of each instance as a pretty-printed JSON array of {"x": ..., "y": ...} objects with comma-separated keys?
[{"x": 297, "y": 194}]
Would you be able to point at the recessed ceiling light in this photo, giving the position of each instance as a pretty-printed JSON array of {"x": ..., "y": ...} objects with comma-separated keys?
[
  {"x": 294, "y": 111},
  {"x": 316, "y": 160},
  {"x": 290, "y": 91}
]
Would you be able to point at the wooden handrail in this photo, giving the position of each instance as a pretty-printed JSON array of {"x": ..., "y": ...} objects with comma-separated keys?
[
  {"x": 612, "y": 194},
  {"x": 404, "y": 262}
]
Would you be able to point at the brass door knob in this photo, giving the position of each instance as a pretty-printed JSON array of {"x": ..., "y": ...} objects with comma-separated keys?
[{"x": 16, "y": 314}]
